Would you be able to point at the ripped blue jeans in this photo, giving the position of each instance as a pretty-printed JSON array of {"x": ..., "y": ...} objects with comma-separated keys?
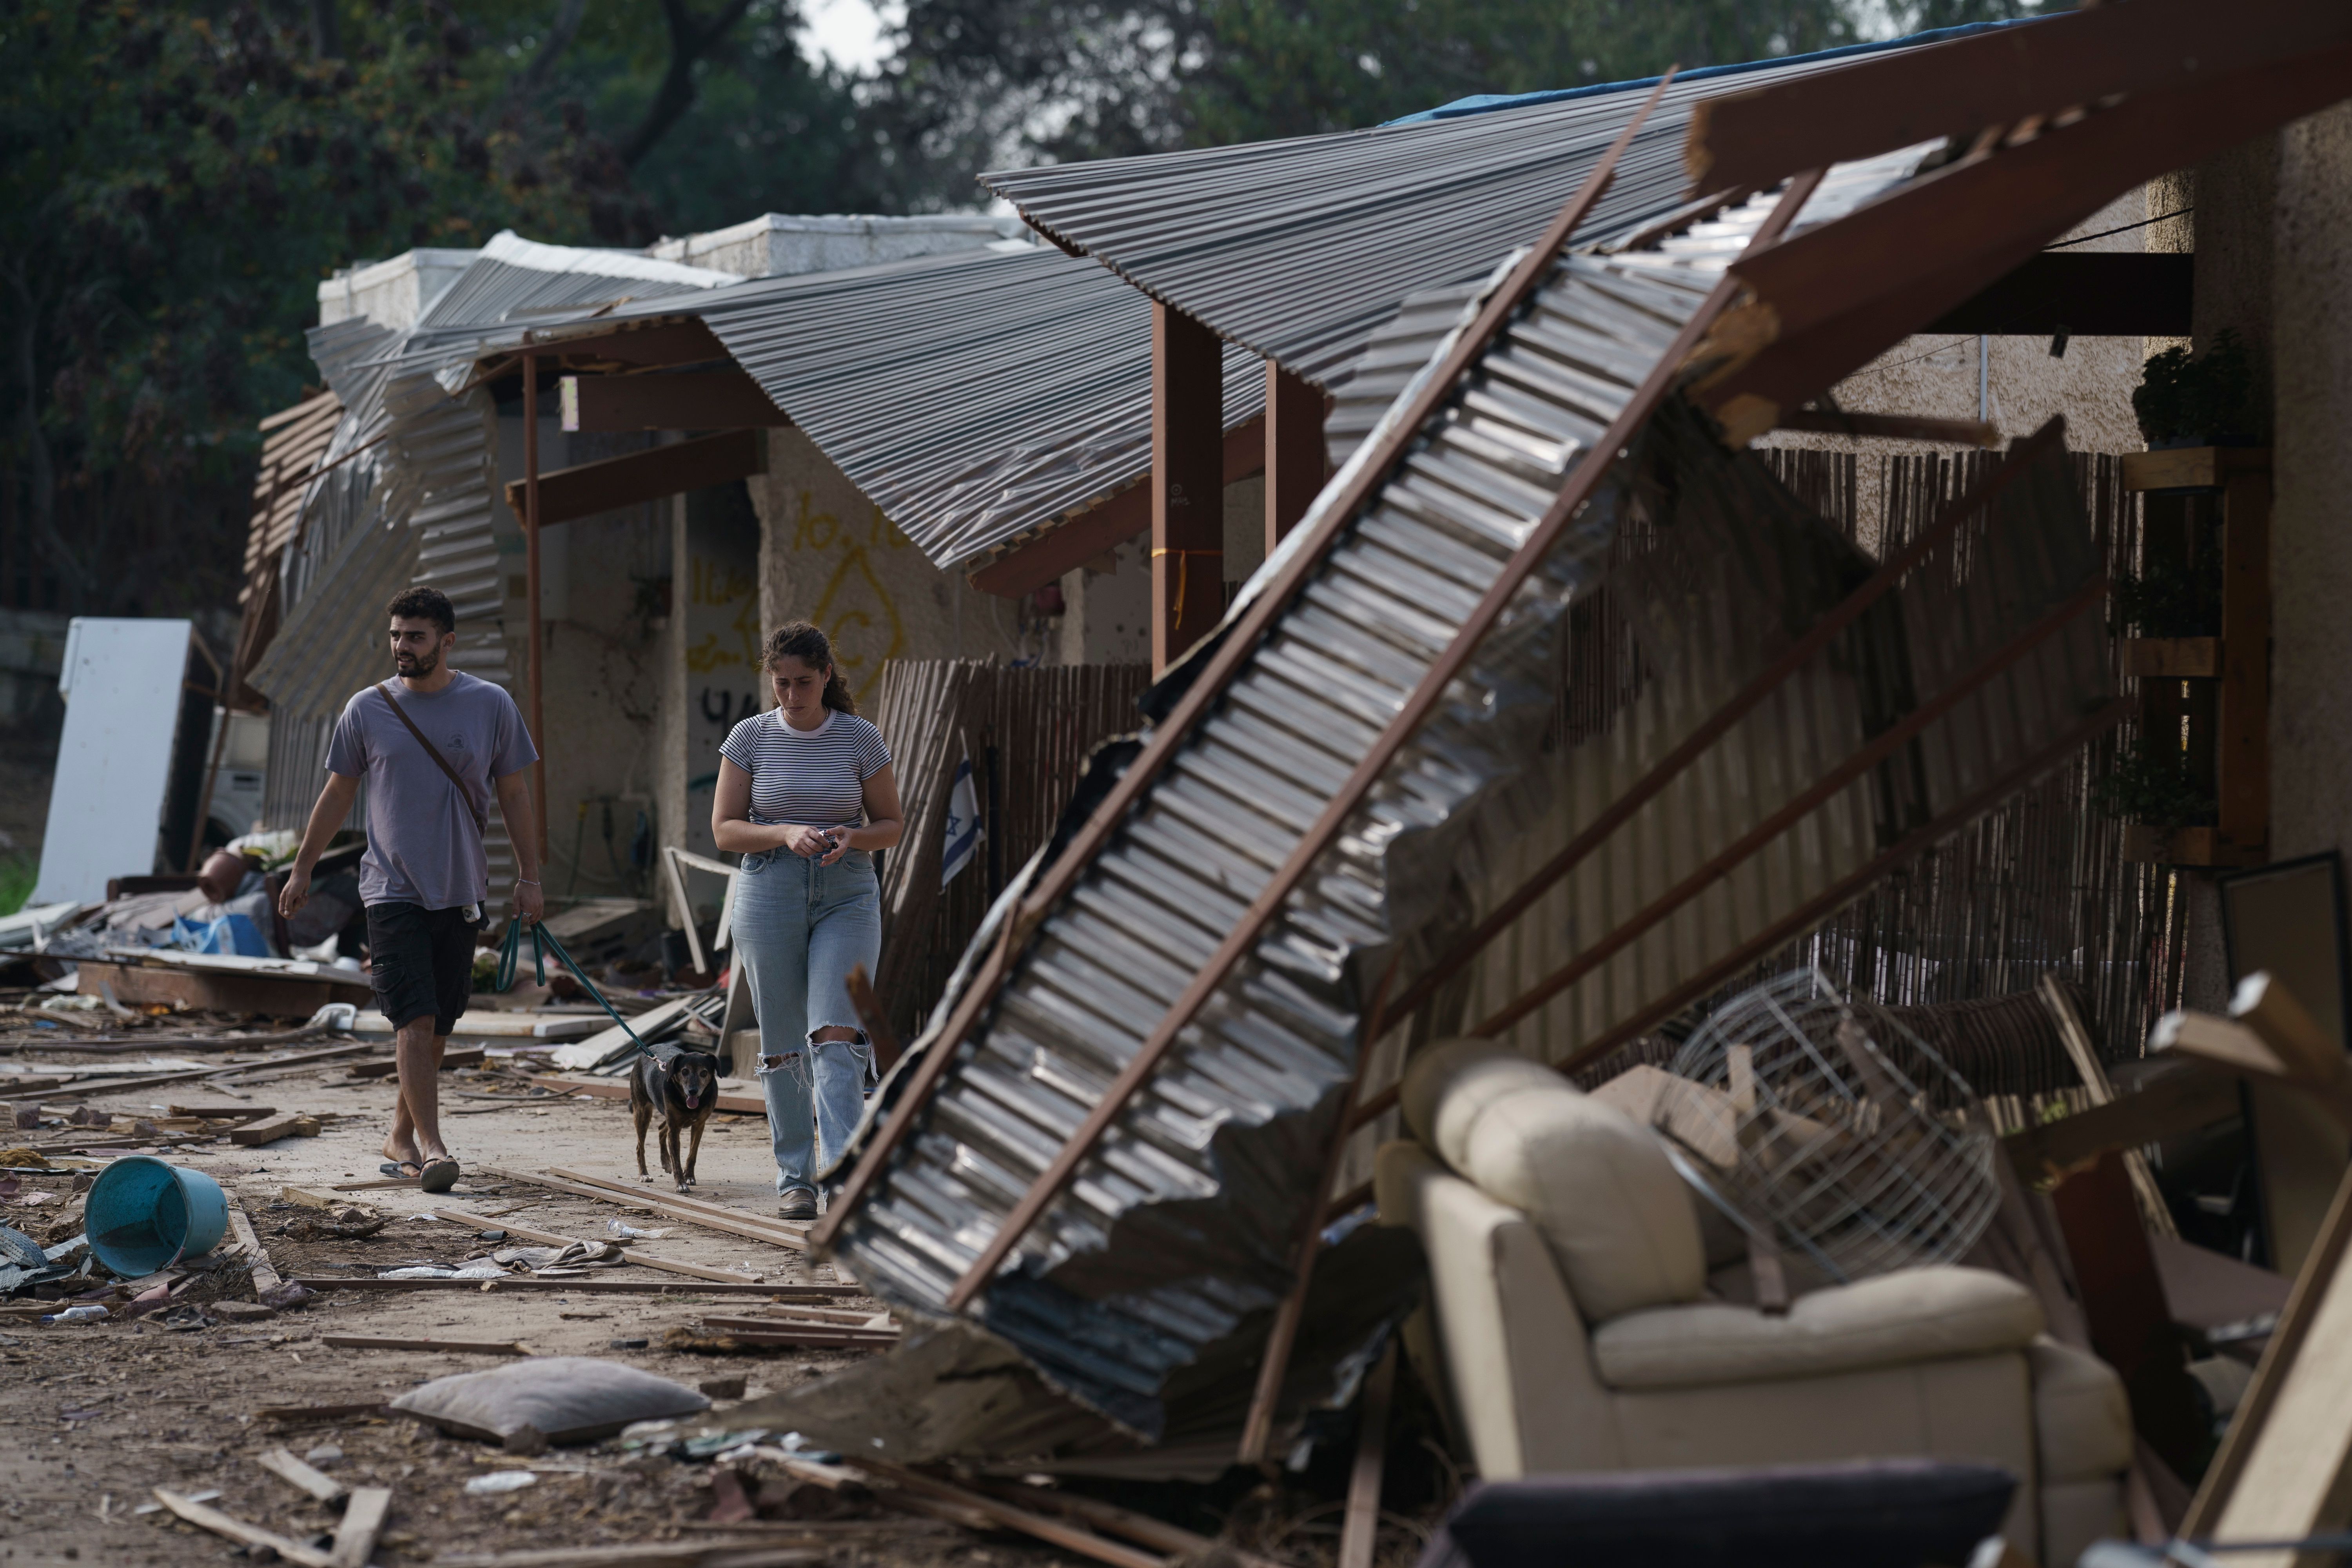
[{"x": 798, "y": 929}]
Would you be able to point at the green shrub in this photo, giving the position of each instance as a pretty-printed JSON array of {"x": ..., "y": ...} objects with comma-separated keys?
[
  {"x": 2149, "y": 783},
  {"x": 2209, "y": 396},
  {"x": 17, "y": 875}
]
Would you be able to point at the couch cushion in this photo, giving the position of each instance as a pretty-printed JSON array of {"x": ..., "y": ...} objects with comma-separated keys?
[
  {"x": 1597, "y": 1186},
  {"x": 1917, "y": 1314},
  {"x": 1448, "y": 1086},
  {"x": 2081, "y": 1422}
]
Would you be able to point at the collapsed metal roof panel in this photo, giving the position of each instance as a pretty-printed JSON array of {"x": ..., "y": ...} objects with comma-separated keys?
[
  {"x": 1187, "y": 1087},
  {"x": 1300, "y": 250}
]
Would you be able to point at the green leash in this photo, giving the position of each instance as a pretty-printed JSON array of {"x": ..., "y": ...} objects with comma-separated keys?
[{"x": 543, "y": 941}]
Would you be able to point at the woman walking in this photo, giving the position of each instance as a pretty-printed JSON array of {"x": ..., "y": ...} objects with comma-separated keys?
[{"x": 806, "y": 795}]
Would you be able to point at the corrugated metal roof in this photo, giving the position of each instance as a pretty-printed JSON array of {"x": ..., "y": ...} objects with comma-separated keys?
[
  {"x": 977, "y": 398},
  {"x": 1300, "y": 250}
]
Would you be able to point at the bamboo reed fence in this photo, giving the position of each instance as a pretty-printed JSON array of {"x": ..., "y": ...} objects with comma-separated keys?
[{"x": 1027, "y": 732}]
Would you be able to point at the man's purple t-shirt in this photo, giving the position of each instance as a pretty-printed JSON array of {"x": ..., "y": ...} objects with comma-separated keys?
[{"x": 423, "y": 848}]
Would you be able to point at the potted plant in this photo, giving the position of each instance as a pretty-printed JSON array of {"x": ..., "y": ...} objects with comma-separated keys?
[{"x": 2198, "y": 400}]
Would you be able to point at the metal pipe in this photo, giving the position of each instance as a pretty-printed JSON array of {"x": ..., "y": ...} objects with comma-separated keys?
[{"x": 531, "y": 592}]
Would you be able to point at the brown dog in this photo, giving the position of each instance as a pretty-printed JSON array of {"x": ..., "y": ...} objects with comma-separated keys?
[{"x": 679, "y": 1088}]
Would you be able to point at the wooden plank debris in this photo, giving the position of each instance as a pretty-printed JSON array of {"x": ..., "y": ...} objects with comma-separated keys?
[
  {"x": 273, "y": 1129},
  {"x": 282, "y": 993},
  {"x": 1359, "y": 1524},
  {"x": 789, "y": 1233},
  {"x": 745, "y": 1551},
  {"x": 236, "y": 1529},
  {"x": 2087, "y": 1066},
  {"x": 289, "y": 1413},
  {"x": 483, "y": 1024},
  {"x": 1070, "y": 1536},
  {"x": 450, "y": 1061},
  {"x": 582, "y": 1286},
  {"x": 551, "y": 1238},
  {"x": 2175, "y": 1104},
  {"x": 265, "y": 1277},
  {"x": 454, "y": 1347},
  {"x": 227, "y": 1112},
  {"x": 87, "y": 1086},
  {"x": 769, "y": 1333},
  {"x": 362, "y": 1523},
  {"x": 710, "y": 1216},
  {"x": 2282, "y": 1468},
  {"x": 281, "y": 1463}
]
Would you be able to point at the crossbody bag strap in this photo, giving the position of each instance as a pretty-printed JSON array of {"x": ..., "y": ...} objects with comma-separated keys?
[{"x": 481, "y": 823}]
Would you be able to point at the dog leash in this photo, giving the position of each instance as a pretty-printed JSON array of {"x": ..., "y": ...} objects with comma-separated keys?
[{"x": 543, "y": 941}]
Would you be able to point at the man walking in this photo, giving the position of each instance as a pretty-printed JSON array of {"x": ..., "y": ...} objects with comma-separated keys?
[{"x": 433, "y": 746}]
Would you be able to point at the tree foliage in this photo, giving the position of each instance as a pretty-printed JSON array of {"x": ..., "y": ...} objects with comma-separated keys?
[
  {"x": 176, "y": 177},
  {"x": 172, "y": 186}
]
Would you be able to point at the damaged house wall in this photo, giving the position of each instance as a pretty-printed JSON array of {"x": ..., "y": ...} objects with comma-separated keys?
[{"x": 828, "y": 556}]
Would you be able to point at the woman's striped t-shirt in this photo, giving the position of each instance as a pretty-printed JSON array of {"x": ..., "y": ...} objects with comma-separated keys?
[{"x": 812, "y": 778}]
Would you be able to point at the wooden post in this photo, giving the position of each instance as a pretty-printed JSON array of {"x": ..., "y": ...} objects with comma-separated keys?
[
  {"x": 2242, "y": 747},
  {"x": 1188, "y": 489},
  {"x": 1294, "y": 453},
  {"x": 1359, "y": 1525},
  {"x": 531, "y": 592},
  {"x": 2123, "y": 1304}
]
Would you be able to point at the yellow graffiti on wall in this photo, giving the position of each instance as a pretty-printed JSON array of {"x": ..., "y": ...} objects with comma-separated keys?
[
  {"x": 720, "y": 585},
  {"x": 854, "y": 609}
]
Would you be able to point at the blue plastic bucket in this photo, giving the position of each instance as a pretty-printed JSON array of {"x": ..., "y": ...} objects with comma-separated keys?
[{"x": 143, "y": 1216}]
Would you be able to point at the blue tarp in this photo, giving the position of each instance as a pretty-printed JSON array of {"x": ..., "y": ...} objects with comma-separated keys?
[{"x": 1486, "y": 102}]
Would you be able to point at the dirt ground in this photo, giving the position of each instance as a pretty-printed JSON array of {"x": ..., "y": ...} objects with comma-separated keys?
[{"x": 94, "y": 1416}]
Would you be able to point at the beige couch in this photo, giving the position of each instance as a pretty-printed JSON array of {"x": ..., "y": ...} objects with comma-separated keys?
[{"x": 1572, "y": 1328}]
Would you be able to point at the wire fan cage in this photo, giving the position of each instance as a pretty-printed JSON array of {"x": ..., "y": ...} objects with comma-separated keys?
[{"x": 1829, "y": 1130}]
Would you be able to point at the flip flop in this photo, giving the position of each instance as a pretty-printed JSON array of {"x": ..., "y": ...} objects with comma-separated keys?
[
  {"x": 439, "y": 1175},
  {"x": 404, "y": 1170}
]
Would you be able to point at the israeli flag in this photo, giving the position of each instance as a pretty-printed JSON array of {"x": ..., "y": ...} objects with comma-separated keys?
[{"x": 963, "y": 829}]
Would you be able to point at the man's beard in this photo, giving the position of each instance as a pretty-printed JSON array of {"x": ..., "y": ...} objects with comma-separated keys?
[{"x": 415, "y": 667}]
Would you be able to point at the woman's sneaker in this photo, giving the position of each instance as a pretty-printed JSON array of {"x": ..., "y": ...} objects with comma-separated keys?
[{"x": 798, "y": 1204}]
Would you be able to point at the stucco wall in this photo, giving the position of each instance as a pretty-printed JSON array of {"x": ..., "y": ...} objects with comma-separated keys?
[
  {"x": 1107, "y": 617},
  {"x": 2311, "y": 519},
  {"x": 828, "y": 556},
  {"x": 2013, "y": 382}
]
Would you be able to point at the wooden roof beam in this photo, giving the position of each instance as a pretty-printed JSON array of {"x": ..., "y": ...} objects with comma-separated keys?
[
  {"x": 681, "y": 400},
  {"x": 1826, "y": 301},
  {"x": 1109, "y": 523},
  {"x": 636, "y": 477},
  {"x": 1999, "y": 77}
]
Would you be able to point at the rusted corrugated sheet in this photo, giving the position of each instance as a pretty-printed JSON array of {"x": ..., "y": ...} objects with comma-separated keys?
[{"x": 294, "y": 444}]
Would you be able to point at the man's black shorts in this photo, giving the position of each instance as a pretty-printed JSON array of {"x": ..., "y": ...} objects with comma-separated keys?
[{"x": 422, "y": 961}]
